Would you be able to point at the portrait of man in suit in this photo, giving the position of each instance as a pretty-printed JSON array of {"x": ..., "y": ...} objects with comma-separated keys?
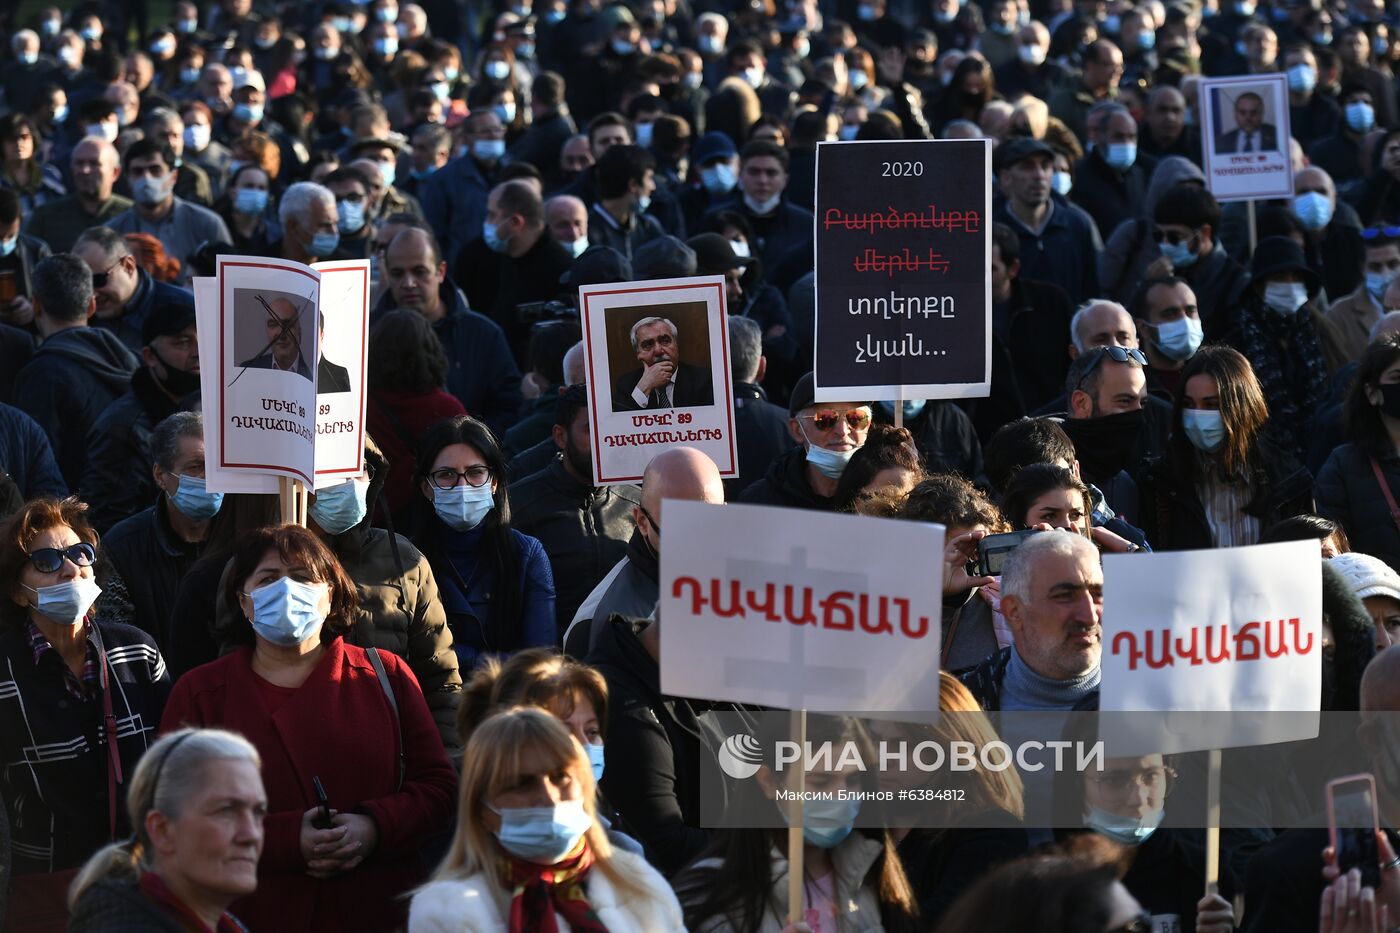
[
  {"x": 283, "y": 335},
  {"x": 662, "y": 381},
  {"x": 1251, "y": 133},
  {"x": 330, "y": 377}
]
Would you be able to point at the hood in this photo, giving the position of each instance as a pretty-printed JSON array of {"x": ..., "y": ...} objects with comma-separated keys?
[
  {"x": 1353, "y": 642},
  {"x": 1170, "y": 171},
  {"x": 100, "y": 352}
]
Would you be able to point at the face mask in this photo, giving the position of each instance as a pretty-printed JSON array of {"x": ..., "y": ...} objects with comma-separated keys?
[
  {"x": 488, "y": 150},
  {"x": 1313, "y": 210},
  {"x": 1147, "y": 40},
  {"x": 250, "y": 201},
  {"x": 238, "y": 74},
  {"x": 644, "y": 131},
  {"x": 1378, "y": 282},
  {"x": 339, "y": 508},
  {"x": 189, "y": 75},
  {"x": 287, "y": 612},
  {"x": 90, "y": 33},
  {"x": 49, "y": 28},
  {"x": 69, "y": 56},
  {"x": 492, "y": 238},
  {"x": 246, "y": 113},
  {"x": 1178, "y": 254},
  {"x": 193, "y": 501},
  {"x": 595, "y": 760},
  {"x": 177, "y": 382},
  {"x": 848, "y": 131},
  {"x": 802, "y": 48},
  {"x": 1003, "y": 29},
  {"x": 1031, "y": 54},
  {"x": 693, "y": 79},
  {"x": 827, "y": 823},
  {"x": 506, "y": 112},
  {"x": 265, "y": 42},
  {"x": 342, "y": 24},
  {"x": 1105, "y": 443},
  {"x": 865, "y": 13},
  {"x": 543, "y": 835},
  {"x": 450, "y": 73},
  {"x": 389, "y": 172},
  {"x": 1179, "y": 340},
  {"x": 1285, "y": 297},
  {"x": 496, "y": 70},
  {"x": 944, "y": 17},
  {"x": 525, "y": 50},
  {"x": 577, "y": 247},
  {"x": 442, "y": 91},
  {"x": 1322, "y": 38},
  {"x": 719, "y": 178},
  {"x": 1121, "y": 156},
  {"x": 911, "y": 407},
  {"x": 462, "y": 507},
  {"x": 324, "y": 52},
  {"x": 7, "y": 247},
  {"x": 623, "y": 47},
  {"x": 60, "y": 115},
  {"x": 386, "y": 14},
  {"x": 1204, "y": 429},
  {"x": 196, "y": 137},
  {"x": 163, "y": 48},
  {"x": 1061, "y": 183},
  {"x": 387, "y": 46},
  {"x": 149, "y": 190},
  {"x": 859, "y": 80},
  {"x": 1245, "y": 9},
  {"x": 1112, "y": 23},
  {"x": 28, "y": 58},
  {"x": 1241, "y": 49},
  {"x": 1302, "y": 78},
  {"x": 323, "y": 244},
  {"x": 107, "y": 131},
  {"x": 741, "y": 249},
  {"x": 762, "y": 207},
  {"x": 1360, "y": 117},
  {"x": 829, "y": 463},
  {"x": 351, "y": 215},
  {"x": 709, "y": 45},
  {"x": 643, "y": 202},
  {"x": 754, "y": 76},
  {"x": 66, "y": 603},
  {"x": 554, "y": 16},
  {"x": 1126, "y": 830},
  {"x": 187, "y": 26}
]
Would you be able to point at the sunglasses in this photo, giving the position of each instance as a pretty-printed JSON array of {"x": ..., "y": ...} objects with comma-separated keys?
[
  {"x": 1171, "y": 236},
  {"x": 50, "y": 559},
  {"x": 1142, "y": 923},
  {"x": 826, "y": 419},
  {"x": 1116, "y": 353},
  {"x": 1374, "y": 233},
  {"x": 99, "y": 279}
]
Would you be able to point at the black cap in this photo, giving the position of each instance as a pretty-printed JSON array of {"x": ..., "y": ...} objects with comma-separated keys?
[
  {"x": 1014, "y": 150},
  {"x": 713, "y": 254},
  {"x": 663, "y": 258},
  {"x": 803, "y": 395},
  {"x": 1276, "y": 254},
  {"x": 598, "y": 265},
  {"x": 166, "y": 319}
]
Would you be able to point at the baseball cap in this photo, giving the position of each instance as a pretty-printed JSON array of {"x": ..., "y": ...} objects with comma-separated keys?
[
  {"x": 713, "y": 254},
  {"x": 166, "y": 319},
  {"x": 598, "y": 265},
  {"x": 1015, "y": 150}
]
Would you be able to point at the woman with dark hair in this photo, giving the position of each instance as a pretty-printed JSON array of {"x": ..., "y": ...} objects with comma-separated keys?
[
  {"x": 21, "y": 170},
  {"x": 888, "y": 458},
  {"x": 497, "y": 586},
  {"x": 1362, "y": 477},
  {"x": 1378, "y": 200},
  {"x": 967, "y": 93},
  {"x": 1222, "y": 480},
  {"x": 407, "y": 369},
  {"x": 1332, "y": 535},
  {"x": 244, "y": 208},
  {"x": 332, "y": 721},
  {"x": 1046, "y": 494}
]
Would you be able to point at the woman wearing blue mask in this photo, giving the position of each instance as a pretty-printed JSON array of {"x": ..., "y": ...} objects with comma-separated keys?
[
  {"x": 1223, "y": 480},
  {"x": 67, "y": 674},
  {"x": 331, "y": 721},
  {"x": 529, "y": 854},
  {"x": 497, "y": 586},
  {"x": 852, "y": 878},
  {"x": 244, "y": 208}
]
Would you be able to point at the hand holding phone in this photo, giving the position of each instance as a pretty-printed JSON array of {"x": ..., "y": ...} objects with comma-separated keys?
[
  {"x": 323, "y": 819},
  {"x": 1352, "y": 823}
]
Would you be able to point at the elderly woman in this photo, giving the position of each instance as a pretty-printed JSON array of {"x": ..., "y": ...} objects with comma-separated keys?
[
  {"x": 356, "y": 776},
  {"x": 197, "y": 805},
  {"x": 529, "y": 852},
  {"x": 70, "y": 686},
  {"x": 35, "y": 181}
]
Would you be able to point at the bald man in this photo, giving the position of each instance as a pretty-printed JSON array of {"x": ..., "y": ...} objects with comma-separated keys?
[
  {"x": 95, "y": 166},
  {"x": 631, "y": 588},
  {"x": 283, "y": 349}
]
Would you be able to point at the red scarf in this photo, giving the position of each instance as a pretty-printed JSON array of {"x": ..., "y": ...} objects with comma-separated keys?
[
  {"x": 160, "y": 894},
  {"x": 538, "y": 891}
]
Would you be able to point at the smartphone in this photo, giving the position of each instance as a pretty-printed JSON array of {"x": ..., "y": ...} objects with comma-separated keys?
[
  {"x": 323, "y": 819},
  {"x": 1352, "y": 821},
  {"x": 992, "y": 551}
]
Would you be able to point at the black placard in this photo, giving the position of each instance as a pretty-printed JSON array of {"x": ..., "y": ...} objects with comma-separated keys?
[{"x": 903, "y": 259}]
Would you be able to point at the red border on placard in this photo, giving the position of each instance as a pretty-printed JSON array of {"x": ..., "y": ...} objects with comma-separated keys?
[
  {"x": 724, "y": 351},
  {"x": 223, "y": 420},
  {"x": 364, "y": 340}
]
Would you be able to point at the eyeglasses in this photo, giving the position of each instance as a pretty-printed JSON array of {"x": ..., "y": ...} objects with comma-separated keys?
[
  {"x": 99, "y": 279},
  {"x": 826, "y": 419},
  {"x": 1142, "y": 923},
  {"x": 1374, "y": 233},
  {"x": 1117, "y": 785},
  {"x": 50, "y": 559},
  {"x": 1172, "y": 237},
  {"x": 472, "y": 476},
  {"x": 1116, "y": 353}
]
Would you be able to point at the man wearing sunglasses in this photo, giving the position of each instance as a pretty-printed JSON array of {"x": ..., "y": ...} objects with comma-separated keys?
[
  {"x": 126, "y": 294},
  {"x": 663, "y": 381},
  {"x": 829, "y": 433}
]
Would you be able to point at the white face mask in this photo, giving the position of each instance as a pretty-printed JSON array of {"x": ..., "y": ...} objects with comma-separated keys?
[
  {"x": 1285, "y": 297},
  {"x": 762, "y": 207},
  {"x": 66, "y": 603}
]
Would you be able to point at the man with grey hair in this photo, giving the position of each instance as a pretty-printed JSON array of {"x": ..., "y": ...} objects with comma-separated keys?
[
  {"x": 78, "y": 370},
  {"x": 95, "y": 168},
  {"x": 760, "y": 427},
  {"x": 153, "y": 550},
  {"x": 1110, "y": 182},
  {"x": 1099, "y": 323},
  {"x": 663, "y": 381},
  {"x": 310, "y": 228},
  {"x": 126, "y": 294},
  {"x": 26, "y": 69},
  {"x": 192, "y": 183}
]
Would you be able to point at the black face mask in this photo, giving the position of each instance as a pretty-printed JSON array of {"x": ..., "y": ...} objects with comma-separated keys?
[
  {"x": 177, "y": 382},
  {"x": 1104, "y": 445},
  {"x": 1390, "y": 400}
]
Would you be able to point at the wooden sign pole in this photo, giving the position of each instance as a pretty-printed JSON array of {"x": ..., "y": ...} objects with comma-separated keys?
[{"x": 795, "y": 840}]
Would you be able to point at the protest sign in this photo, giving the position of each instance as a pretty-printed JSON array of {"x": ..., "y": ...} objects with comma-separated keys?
[
  {"x": 1234, "y": 630},
  {"x": 658, "y": 374},
  {"x": 903, "y": 259},
  {"x": 785, "y": 608},
  {"x": 1245, "y": 133}
]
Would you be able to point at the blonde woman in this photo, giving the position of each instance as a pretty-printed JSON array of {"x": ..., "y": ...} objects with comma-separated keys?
[{"x": 529, "y": 853}]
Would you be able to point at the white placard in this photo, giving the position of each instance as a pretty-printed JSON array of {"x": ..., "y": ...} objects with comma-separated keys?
[
  {"x": 630, "y": 425},
  {"x": 1234, "y": 630},
  {"x": 341, "y": 371},
  {"x": 1245, "y": 135},
  {"x": 801, "y": 610}
]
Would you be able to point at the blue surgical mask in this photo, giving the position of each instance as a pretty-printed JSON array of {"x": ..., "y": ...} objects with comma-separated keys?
[
  {"x": 422, "y": 174},
  {"x": 525, "y": 50},
  {"x": 1003, "y": 29},
  {"x": 754, "y": 76},
  {"x": 1204, "y": 429},
  {"x": 60, "y": 115},
  {"x": 577, "y": 247},
  {"x": 1285, "y": 297},
  {"x": 1378, "y": 282},
  {"x": 250, "y": 201},
  {"x": 189, "y": 75},
  {"x": 341, "y": 507},
  {"x": 911, "y": 407},
  {"x": 543, "y": 835},
  {"x": 287, "y": 612},
  {"x": 643, "y": 202},
  {"x": 1302, "y": 78},
  {"x": 7, "y": 247},
  {"x": 262, "y": 42},
  {"x": 149, "y": 191},
  {"x": 829, "y": 463},
  {"x": 848, "y": 131},
  {"x": 496, "y": 70},
  {"x": 342, "y": 23},
  {"x": 1125, "y": 830},
  {"x": 28, "y": 58},
  {"x": 1244, "y": 7},
  {"x": 163, "y": 47},
  {"x": 719, "y": 178},
  {"x": 489, "y": 150},
  {"x": 644, "y": 131},
  {"x": 389, "y": 171},
  {"x": 554, "y": 16},
  {"x": 247, "y": 113},
  {"x": 195, "y": 502},
  {"x": 386, "y": 14},
  {"x": 709, "y": 44},
  {"x": 623, "y": 47},
  {"x": 1313, "y": 210},
  {"x": 442, "y": 91},
  {"x": 387, "y": 46},
  {"x": 865, "y": 13},
  {"x": 1112, "y": 23},
  {"x": 325, "y": 52},
  {"x": 1178, "y": 254},
  {"x": 186, "y": 26},
  {"x": 66, "y": 603},
  {"x": 827, "y": 823},
  {"x": 1147, "y": 39},
  {"x": 1061, "y": 183},
  {"x": 463, "y": 507},
  {"x": 492, "y": 238},
  {"x": 859, "y": 80},
  {"x": 90, "y": 33},
  {"x": 351, "y": 215},
  {"x": 1360, "y": 116},
  {"x": 1180, "y": 339},
  {"x": 595, "y": 759},
  {"x": 323, "y": 244},
  {"x": 506, "y": 112},
  {"x": 1121, "y": 156}
]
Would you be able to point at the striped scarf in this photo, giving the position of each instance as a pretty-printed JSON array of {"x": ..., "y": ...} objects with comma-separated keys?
[{"x": 539, "y": 891}]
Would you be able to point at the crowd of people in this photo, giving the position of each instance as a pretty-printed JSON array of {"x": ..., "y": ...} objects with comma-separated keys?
[{"x": 438, "y": 705}]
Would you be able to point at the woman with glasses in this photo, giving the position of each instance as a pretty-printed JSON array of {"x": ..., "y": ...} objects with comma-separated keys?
[
  {"x": 1222, "y": 480},
  {"x": 79, "y": 704},
  {"x": 496, "y": 583},
  {"x": 356, "y": 776}
]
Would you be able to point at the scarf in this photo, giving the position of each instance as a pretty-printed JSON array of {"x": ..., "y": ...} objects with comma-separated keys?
[
  {"x": 538, "y": 891},
  {"x": 1287, "y": 357},
  {"x": 159, "y": 894}
]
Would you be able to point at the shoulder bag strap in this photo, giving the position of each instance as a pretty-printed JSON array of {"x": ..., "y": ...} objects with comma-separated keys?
[
  {"x": 109, "y": 728},
  {"x": 1385, "y": 491},
  {"x": 378, "y": 663}
]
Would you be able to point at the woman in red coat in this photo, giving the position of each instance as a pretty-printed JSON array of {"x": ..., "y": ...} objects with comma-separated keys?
[{"x": 318, "y": 709}]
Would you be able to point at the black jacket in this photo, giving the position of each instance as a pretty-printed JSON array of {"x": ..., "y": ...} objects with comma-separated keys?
[
  {"x": 149, "y": 294},
  {"x": 584, "y": 530},
  {"x": 941, "y": 865},
  {"x": 496, "y": 284},
  {"x": 541, "y": 143},
  {"x": 1030, "y": 355},
  {"x": 945, "y": 438},
  {"x": 1283, "y": 886},
  {"x": 761, "y": 433},
  {"x": 116, "y": 905},
  {"x": 786, "y": 484},
  {"x": 1347, "y": 492},
  {"x": 1108, "y": 195},
  {"x": 151, "y": 560},
  {"x": 694, "y": 386},
  {"x": 1064, "y": 252},
  {"x": 786, "y": 229},
  {"x": 118, "y": 480}
]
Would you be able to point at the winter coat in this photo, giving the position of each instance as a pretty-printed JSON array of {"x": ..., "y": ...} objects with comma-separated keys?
[
  {"x": 1108, "y": 195},
  {"x": 397, "y": 421},
  {"x": 26, "y": 456},
  {"x": 1347, "y": 492},
  {"x": 942, "y": 863},
  {"x": 761, "y": 434},
  {"x": 632, "y": 589},
  {"x": 117, "y": 905},
  {"x": 454, "y": 202},
  {"x": 475, "y": 904},
  {"x": 151, "y": 561},
  {"x": 786, "y": 229},
  {"x": 945, "y": 438},
  {"x": 1130, "y": 249},
  {"x": 786, "y": 484},
  {"x": 1063, "y": 252},
  {"x": 584, "y": 530},
  {"x": 149, "y": 295},
  {"x": 340, "y": 726}
]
